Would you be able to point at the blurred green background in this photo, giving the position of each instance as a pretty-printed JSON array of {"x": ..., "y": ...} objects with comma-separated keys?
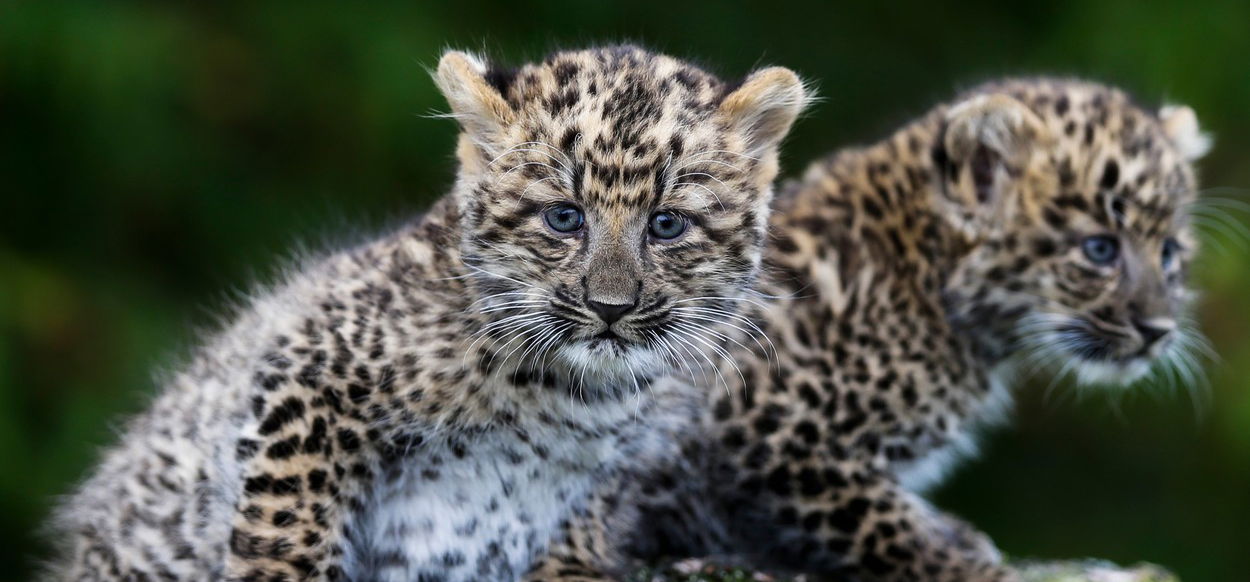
[{"x": 156, "y": 159}]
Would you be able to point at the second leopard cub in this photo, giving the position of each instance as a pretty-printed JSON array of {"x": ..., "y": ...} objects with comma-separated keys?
[{"x": 1042, "y": 221}]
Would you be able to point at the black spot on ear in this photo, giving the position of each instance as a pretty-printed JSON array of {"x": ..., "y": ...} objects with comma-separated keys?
[
  {"x": 983, "y": 173},
  {"x": 1110, "y": 175},
  {"x": 501, "y": 79}
]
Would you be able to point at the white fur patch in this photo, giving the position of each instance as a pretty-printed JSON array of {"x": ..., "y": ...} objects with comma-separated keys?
[
  {"x": 471, "y": 518},
  {"x": 934, "y": 466},
  {"x": 604, "y": 363},
  {"x": 1112, "y": 374}
]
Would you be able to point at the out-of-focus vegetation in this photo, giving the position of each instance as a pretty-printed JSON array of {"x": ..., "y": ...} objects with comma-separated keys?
[{"x": 155, "y": 159}]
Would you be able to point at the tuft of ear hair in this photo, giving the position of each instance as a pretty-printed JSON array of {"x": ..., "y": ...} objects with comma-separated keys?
[
  {"x": 765, "y": 107},
  {"x": 998, "y": 123},
  {"x": 1180, "y": 124},
  {"x": 480, "y": 109}
]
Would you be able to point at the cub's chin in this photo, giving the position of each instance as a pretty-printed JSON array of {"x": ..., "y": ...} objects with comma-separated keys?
[
  {"x": 1112, "y": 372},
  {"x": 1119, "y": 364},
  {"x": 612, "y": 359}
]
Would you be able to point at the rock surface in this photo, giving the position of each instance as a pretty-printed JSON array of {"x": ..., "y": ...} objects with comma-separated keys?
[{"x": 724, "y": 570}]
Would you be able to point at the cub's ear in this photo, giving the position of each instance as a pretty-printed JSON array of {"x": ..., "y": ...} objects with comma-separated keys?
[
  {"x": 765, "y": 107},
  {"x": 988, "y": 138},
  {"x": 992, "y": 130},
  {"x": 1180, "y": 124},
  {"x": 477, "y": 106}
]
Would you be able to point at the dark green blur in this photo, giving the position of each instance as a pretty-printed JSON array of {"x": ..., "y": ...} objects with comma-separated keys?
[{"x": 158, "y": 159}]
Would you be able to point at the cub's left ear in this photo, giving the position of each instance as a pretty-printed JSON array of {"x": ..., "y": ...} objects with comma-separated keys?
[
  {"x": 1180, "y": 124},
  {"x": 765, "y": 107}
]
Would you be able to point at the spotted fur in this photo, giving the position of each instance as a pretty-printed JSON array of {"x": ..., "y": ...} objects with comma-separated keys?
[
  {"x": 911, "y": 278},
  {"x": 431, "y": 405}
]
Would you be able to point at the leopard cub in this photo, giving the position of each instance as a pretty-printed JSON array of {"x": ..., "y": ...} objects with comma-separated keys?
[
  {"x": 431, "y": 405},
  {"x": 1036, "y": 222}
]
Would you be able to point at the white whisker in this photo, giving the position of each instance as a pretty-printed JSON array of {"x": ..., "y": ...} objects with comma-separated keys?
[
  {"x": 564, "y": 167},
  {"x": 706, "y": 152},
  {"x": 717, "y": 180},
  {"x": 716, "y": 298},
  {"x": 531, "y": 185},
  {"x": 709, "y": 191},
  {"x": 706, "y": 161},
  {"x": 698, "y": 334}
]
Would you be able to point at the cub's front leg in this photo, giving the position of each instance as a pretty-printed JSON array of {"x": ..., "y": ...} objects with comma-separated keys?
[
  {"x": 298, "y": 485},
  {"x": 567, "y": 562},
  {"x": 581, "y": 552},
  {"x": 856, "y": 520}
]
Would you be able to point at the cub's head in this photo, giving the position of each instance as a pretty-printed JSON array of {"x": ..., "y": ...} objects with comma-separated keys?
[
  {"x": 1076, "y": 206},
  {"x": 613, "y": 202}
]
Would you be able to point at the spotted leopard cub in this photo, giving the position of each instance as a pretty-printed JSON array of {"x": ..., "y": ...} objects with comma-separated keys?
[
  {"x": 431, "y": 405},
  {"x": 1042, "y": 222}
]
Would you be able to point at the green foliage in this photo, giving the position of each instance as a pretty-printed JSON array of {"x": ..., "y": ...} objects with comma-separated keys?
[{"x": 159, "y": 158}]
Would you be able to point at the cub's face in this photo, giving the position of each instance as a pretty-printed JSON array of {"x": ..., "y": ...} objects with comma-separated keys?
[
  {"x": 1084, "y": 259},
  {"x": 613, "y": 203}
]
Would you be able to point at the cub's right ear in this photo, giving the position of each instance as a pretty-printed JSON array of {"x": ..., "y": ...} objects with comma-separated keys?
[
  {"x": 480, "y": 109},
  {"x": 987, "y": 136}
]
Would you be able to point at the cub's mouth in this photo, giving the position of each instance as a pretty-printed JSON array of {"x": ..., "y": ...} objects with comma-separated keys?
[
  {"x": 607, "y": 342},
  {"x": 610, "y": 343}
]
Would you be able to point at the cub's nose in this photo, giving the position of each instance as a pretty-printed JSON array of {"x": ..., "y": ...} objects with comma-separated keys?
[
  {"x": 610, "y": 312},
  {"x": 1153, "y": 330}
]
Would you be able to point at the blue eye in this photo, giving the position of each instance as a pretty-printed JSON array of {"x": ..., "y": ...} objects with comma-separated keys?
[
  {"x": 564, "y": 218},
  {"x": 1101, "y": 249},
  {"x": 1170, "y": 249},
  {"x": 667, "y": 226}
]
